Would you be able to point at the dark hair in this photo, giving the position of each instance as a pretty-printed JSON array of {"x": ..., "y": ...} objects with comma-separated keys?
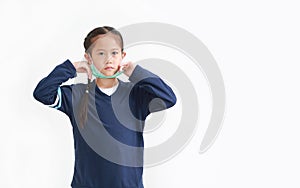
[
  {"x": 88, "y": 42},
  {"x": 92, "y": 36}
]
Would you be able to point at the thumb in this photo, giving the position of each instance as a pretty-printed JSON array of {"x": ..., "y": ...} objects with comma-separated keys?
[{"x": 89, "y": 72}]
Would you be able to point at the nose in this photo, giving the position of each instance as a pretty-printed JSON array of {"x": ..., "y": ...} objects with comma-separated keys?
[{"x": 109, "y": 60}]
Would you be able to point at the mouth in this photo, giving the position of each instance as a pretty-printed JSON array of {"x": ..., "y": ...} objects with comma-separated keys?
[
  {"x": 112, "y": 68},
  {"x": 109, "y": 68}
]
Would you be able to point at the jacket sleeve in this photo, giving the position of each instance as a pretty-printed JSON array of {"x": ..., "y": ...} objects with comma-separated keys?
[
  {"x": 150, "y": 93},
  {"x": 50, "y": 92}
]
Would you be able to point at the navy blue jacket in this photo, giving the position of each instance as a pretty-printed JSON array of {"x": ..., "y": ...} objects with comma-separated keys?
[{"x": 109, "y": 147}]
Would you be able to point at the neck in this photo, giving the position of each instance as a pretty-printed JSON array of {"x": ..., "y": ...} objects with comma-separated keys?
[{"x": 106, "y": 83}]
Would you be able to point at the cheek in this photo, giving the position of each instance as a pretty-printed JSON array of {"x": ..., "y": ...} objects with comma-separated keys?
[
  {"x": 99, "y": 63},
  {"x": 98, "y": 59},
  {"x": 99, "y": 66},
  {"x": 118, "y": 59}
]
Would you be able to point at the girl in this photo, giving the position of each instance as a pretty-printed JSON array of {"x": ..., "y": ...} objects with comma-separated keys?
[{"x": 107, "y": 114}]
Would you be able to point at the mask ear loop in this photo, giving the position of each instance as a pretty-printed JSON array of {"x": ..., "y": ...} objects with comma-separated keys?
[{"x": 98, "y": 74}]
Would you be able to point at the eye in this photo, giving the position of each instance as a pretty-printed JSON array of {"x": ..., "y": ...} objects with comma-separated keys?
[
  {"x": 115, "y": 53},
  {"x": 101, "y": 53}
]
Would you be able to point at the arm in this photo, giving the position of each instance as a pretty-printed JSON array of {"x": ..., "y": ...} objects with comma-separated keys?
[
  {"x": 151, "y": 93},
  {"x": 49, "y": 90}
]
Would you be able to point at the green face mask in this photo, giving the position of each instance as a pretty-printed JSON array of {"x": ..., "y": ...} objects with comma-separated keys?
[{"x": 100, "y": 75}]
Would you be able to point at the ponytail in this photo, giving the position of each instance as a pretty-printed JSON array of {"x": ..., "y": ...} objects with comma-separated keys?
[{"x": 83, "y": 106}]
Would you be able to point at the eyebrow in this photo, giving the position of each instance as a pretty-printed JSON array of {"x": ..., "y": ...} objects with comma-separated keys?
[{"x": 100, "y": 49}]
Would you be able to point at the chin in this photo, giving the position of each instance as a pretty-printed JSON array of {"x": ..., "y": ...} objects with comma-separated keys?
[{"x": 109, "y": 73}]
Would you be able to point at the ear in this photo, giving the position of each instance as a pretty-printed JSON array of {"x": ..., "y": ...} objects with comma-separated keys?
[
  {"x": 123, "y": 54},
  {"x": 88, "y": 58}
]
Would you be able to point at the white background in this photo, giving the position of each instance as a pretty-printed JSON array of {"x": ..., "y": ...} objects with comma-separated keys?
[{"x": 256, "y": 45}]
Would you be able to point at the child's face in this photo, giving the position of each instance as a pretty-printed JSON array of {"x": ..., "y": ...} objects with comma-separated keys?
[{"x": 107, "y": 54}]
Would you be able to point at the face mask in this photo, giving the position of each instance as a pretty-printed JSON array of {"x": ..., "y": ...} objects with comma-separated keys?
[{"x": 98, "y": 74}]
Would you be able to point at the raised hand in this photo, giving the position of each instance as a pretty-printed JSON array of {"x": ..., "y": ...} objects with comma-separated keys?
[
  {"x": 83, "y": 67},
  {"x": 128, "y": 68}
]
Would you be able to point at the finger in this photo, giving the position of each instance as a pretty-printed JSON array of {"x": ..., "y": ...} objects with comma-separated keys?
[
  {"x": 125, "y": 63},
  {"x": 123, "y": 68},
  {"x": 82, "y": 68},
  {"x": 119, "y": 68},
  {"x": 89, "y": 71},
  {"x": 85, "y": 68}
]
